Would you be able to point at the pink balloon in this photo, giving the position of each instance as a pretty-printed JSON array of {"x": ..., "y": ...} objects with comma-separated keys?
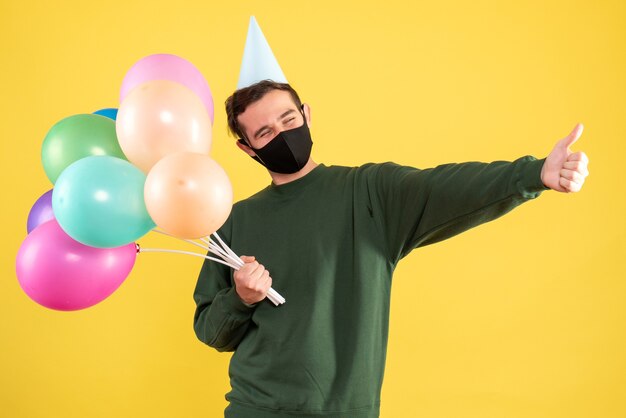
[
  {"x": 59, "y": 273},
  {"x": 168, "y": 67}
]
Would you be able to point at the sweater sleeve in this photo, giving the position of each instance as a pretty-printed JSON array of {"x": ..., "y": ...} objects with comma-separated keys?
[
  {"x": 421, "y": 207},
  {"x": 221, "y": 318}
]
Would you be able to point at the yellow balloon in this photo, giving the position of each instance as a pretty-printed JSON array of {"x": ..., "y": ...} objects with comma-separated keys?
[
  {"x": 159, "y": 118},
  {"x": 188, "y": 195}
]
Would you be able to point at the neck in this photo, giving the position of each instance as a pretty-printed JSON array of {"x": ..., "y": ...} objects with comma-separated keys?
[{"x": 279, "y": 179}]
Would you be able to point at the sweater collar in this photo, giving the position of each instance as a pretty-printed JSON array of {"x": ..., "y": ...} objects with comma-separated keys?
[{"x": 298, "y": 184}]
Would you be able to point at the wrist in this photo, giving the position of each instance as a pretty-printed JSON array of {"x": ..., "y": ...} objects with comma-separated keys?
[
  {"x": 249, "y": 305},
  {"x": 247, "y": 301},
  {"x": 236, "y": 304}
]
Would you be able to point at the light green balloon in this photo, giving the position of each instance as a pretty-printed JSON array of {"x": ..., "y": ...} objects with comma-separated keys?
[
  {"x": 98, "y": 201},
  {"x": 77, "y": 137}
]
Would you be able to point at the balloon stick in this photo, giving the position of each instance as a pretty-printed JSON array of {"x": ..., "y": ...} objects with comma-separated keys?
[
  {"x": 164, "y": 250},
  {"x": 226, "y": 256}
]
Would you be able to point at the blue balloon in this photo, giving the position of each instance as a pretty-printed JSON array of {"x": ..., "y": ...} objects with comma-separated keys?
[
  {"x": 109, "y": 112},
  {"x": 98, "y": 201}
]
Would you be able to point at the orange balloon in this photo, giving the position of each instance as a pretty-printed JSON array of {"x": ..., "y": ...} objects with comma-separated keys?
[
  {"x": 159, "y": 118},
  {"x": 188, "y": 195}
]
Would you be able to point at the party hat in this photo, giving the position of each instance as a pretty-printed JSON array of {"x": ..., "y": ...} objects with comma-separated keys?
[{"x": 258, "y": 61}]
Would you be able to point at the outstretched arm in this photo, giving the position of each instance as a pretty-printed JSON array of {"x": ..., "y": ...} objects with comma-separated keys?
[{"x": 421, "y": 207}]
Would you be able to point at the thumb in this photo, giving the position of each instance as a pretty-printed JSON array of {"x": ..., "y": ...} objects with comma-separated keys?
[
  {"x": 247, "y": 258},
  {"x": 573, "y": 136}
]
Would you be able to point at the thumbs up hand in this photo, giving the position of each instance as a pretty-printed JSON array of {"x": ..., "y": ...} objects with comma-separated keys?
[{"x": 564, "y": 170}]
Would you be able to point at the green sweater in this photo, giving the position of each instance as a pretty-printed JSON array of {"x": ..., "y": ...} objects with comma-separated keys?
[{"x": 331, "y": 241}]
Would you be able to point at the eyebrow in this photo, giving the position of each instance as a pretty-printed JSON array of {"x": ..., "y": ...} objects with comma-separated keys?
[{"x": 284, "y": 115}]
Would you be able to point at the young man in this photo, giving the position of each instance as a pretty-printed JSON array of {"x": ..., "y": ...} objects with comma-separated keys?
[{"x": 331, "y": 237}]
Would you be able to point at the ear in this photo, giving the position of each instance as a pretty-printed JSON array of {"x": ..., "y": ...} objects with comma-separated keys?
[
  {"x": 245, "y": 148},
  {"x": 307, "y": 113}
]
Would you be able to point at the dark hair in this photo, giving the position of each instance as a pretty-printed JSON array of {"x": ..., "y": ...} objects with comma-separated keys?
[{"x": 242, "y": 98}]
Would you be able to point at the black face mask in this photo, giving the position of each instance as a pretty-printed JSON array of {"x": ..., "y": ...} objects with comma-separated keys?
[{"x": 288, "y": 152}]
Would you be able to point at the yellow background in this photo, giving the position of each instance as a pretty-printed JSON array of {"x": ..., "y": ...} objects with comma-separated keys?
[{"x": 522, "y": 317}]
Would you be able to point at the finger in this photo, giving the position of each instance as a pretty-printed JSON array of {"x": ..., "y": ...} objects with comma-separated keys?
[
  {"x": 244, "y": 273},
  {"x": 265, "y": 281},
  {"x": 573, "y": 136},
  {"x": 257, "y": 273},
  {"x": 578, "y": 156},
  {"x": 260, "y": 285},
  {"x": 569, "y": 186},
  {"x": 579, "y": 166},
  {"x": 572, "y": 175},
  {"x": 247, "y": 258},
  {"x": 248, "y": 279},
  {"x": 575, "y": 165},
  {"x": 250, "y": 267}
]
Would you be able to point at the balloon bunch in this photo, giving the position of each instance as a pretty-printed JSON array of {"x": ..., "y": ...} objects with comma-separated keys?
[{"x": 119, "y": 173}]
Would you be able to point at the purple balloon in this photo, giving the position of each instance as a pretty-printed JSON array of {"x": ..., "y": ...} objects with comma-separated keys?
[
  {"x": 40, "y": 212},
  {"x": 59, "y": 273}
]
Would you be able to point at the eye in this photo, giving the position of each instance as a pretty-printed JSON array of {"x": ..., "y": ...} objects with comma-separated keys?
[
  {"x": 264, "y": 134},
  {"x": 289, "y": 121}
]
